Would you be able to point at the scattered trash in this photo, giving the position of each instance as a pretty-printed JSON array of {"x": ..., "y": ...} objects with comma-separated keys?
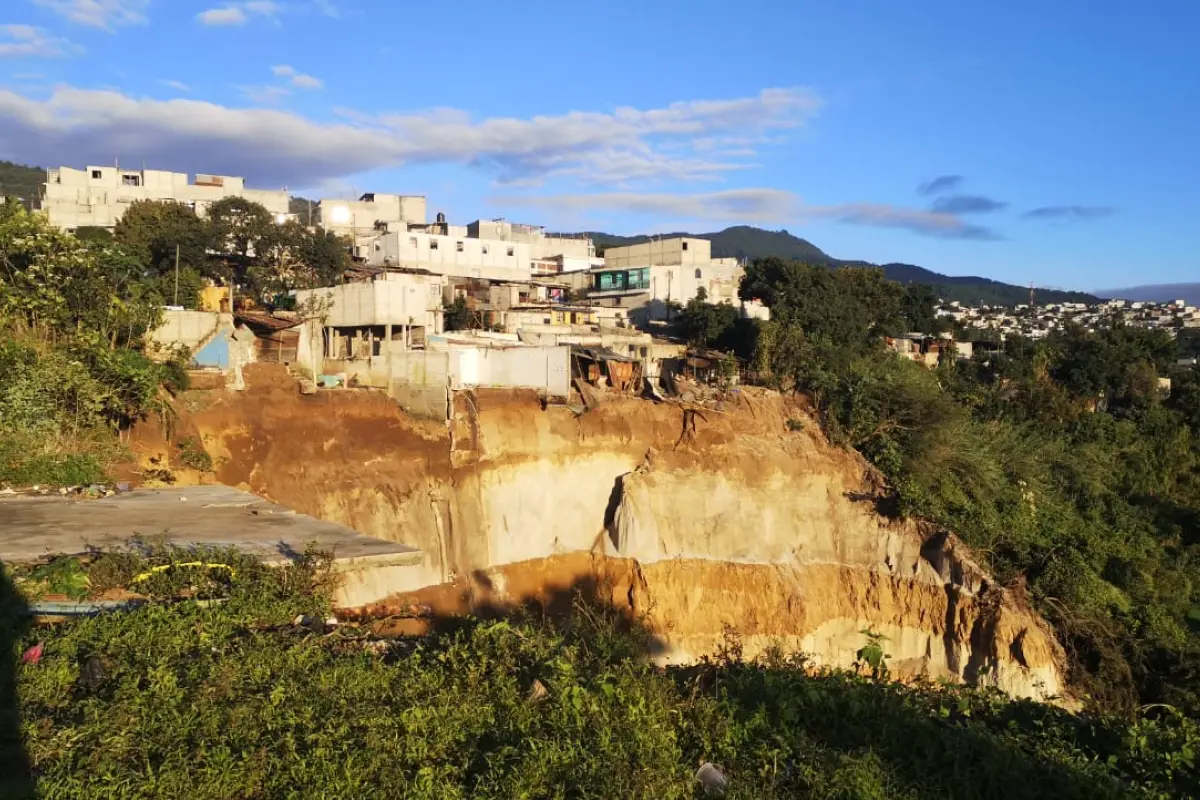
[
  {"x": 537, "y": 693},
  {"x": 713, "y": 779},
  {"x": 33, "y": 655},
  {"x": 93, "y": 673},
  {"x": 311, "y": 623}
]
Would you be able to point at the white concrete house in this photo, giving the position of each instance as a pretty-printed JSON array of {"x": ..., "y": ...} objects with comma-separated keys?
[
  {"x": 370, "y": 213},
  {"x": 99, "y": 196},
  {"x": 456, "y": 256}
]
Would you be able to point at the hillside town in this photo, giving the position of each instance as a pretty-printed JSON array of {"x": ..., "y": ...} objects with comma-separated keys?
[{"x": 427, "y": 304}]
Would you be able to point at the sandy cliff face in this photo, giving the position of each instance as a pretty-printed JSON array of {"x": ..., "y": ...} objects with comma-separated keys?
[{"x": 745, "y": 523}]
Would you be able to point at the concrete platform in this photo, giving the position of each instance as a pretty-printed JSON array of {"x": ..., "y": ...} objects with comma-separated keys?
[{"x": 35, "y": 526}]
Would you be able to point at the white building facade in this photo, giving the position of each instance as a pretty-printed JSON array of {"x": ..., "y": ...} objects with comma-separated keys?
[
  {"x": 654, "y": 275},
  {"x": 370, "y": 213},
  {"x": 456, "y": 256},
  {"x": 100, "y": 196},
  {"x": 542, "y": 245}
]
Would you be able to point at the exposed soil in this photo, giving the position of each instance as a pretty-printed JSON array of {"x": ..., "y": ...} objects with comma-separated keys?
[{"x": 751, "y": 521}]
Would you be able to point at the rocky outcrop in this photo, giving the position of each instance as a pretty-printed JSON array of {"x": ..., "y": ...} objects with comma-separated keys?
[{"x": 753, "y": 523}]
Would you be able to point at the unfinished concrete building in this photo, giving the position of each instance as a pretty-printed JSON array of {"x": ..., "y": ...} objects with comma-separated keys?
[{"x": 99, "y": 196}]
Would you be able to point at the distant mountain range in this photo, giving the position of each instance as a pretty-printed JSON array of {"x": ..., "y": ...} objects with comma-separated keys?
[
  {"x": 1158, "y": 293},
  {"x": 744, "y": 241}
]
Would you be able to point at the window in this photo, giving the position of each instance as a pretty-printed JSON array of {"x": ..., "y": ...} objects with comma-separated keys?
[
  {"x": 458, "y": 246},
  {"x": 97, "y": 174},
  {"x": 510, "y": 250},
  {"x": 131, "y": 180},
  {"x": 433, "y": 244},
  {"x": 545, "y": 320},
  {"x": 377, "y": 247},
  {"x": 412, "y": 241},
  {"x": 685, "y": 245},
  {"x": 483, "y": 247},
  {"x": 698, "y": 275}
]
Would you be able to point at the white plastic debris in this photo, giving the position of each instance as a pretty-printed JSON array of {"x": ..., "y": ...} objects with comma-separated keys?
[{"x": 713, "y": 779}]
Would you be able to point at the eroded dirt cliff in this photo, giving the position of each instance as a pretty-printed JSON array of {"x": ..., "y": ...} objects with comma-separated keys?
[{"x": 752, "y": 523}]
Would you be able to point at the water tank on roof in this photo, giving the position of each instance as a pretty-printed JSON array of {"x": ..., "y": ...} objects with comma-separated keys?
[{"x": 441, "y": 218}]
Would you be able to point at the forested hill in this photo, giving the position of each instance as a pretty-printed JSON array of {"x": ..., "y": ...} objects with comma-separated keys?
[
  {"x": 744, "y": 241},
  {"x": 18, "y": 180}
]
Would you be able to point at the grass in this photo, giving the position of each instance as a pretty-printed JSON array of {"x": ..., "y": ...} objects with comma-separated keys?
[
  {"x": 26, "y": 462},
  {"x": 182, "y": 698}
]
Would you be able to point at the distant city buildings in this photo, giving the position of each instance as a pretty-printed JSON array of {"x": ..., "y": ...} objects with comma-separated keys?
[
  {"x": 1038, "y": 321},
  {"x": 99, "y": 196}
]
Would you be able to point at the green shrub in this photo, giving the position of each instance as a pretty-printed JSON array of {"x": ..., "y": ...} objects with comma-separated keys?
[{"x": 187, "y": 697}]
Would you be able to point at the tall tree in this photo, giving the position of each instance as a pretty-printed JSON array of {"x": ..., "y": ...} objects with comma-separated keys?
[
  {"x": 153, "y": 229},
  {"x": 239, "y": 226},
  {"x": 291, "y": 256}
]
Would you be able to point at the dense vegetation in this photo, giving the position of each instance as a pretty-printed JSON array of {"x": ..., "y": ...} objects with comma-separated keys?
[
  {"x": 17, "y": 180},
  {"x": 72, "y": 317},
  {"x": 75, "y": 311},
  {"x": 227, "y": 684},
  {"x": 1065, "y": 463},
  {"x": 744, "y": 241}
]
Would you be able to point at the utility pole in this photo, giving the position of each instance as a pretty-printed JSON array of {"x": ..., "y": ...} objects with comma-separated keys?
[{"x": 177, "y": 275}]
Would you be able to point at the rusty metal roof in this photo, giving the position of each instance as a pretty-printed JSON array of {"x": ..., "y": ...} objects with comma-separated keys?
[{"x": 261, "y": 319}]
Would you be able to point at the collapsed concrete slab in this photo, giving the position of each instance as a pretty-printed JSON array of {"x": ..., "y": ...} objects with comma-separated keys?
[{"x": 33, "y": 527}]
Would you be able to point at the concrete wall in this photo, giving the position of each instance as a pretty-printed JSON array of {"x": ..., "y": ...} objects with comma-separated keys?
[
  {"x": 99, "y": 196},
  {"x": 679, "y": 251},
  {"x": 392, "y": 299},
  {"x": 546, "y": 369},
  {"x": 345, "y": 217},
  {"x": 419, "y": 380},
  {"x": 185, "y": 328},
  {"x": 460, "y": 257},
  {"x": 540, "y": 244}
]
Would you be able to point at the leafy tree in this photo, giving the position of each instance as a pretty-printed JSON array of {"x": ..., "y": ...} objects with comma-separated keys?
[
  {"x": 918, "y": 307},
  {"x": 851, "y": 306},
  {"x": 458, "y": 316},
  {"x": 704, "y": 323},
  {"x": 239, "y": 226},
  {"x": 155, "y": 230},
  {"x": 93, "y": 235},
  {"x": 55, "y": 285},
  {"x": 291, "y": 256}
]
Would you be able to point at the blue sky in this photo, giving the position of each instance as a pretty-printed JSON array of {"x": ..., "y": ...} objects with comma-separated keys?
[{"x": 1024, "y": 141}]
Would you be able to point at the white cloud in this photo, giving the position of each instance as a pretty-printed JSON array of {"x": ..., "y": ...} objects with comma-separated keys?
[
  {"x": 758, "y": 206},
  {"x": 297, "y": 79},
  {"x": 217, "y": 17},
  {"x": 106, "y": 14},
  {"x": 264, "y": 95},
  {"x": 235, "y": 14},
  {"x": 178, "y": 86},
  {"x": 276, "y": 147},
  {"x": 27, "y": 41}
]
